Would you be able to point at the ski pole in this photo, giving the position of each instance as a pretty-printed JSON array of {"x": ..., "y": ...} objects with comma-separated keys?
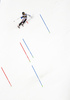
[{"x": 16, "y": 19}]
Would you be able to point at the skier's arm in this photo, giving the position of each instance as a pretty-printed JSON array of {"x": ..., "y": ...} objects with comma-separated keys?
[
  {"x": 21, "y": 17},
  {"x": 29, "y": 15},
  {"x": 26, "y": 15}
]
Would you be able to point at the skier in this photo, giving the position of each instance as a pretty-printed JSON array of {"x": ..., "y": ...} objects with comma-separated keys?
[{"x": 24, "y": 18}]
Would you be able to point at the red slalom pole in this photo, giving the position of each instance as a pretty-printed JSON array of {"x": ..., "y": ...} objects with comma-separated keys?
[
  {"x": 6, "y": 76},
  {"x": 25, "y": 52}
]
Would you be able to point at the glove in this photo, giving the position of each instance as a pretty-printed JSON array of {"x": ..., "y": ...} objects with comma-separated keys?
[{"x": 21, "y": 17}]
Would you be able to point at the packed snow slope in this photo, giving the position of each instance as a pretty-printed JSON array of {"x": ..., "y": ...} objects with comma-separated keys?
[{"x": 51, "y": 51}]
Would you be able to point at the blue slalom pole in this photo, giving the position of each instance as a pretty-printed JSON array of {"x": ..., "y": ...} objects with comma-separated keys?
[
  {"x": 44, "y": 23},
  {"x": 37, "y": 76},
  {"x": 27, "y": 47}
]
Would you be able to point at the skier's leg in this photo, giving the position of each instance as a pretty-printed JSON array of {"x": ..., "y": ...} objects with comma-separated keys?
[
  {"x": 23, "y": 22},
  {"x": 20, "y": 23}
]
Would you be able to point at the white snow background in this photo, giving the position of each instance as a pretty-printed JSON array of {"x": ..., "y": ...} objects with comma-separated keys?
[{"x": 51, "y": 51}]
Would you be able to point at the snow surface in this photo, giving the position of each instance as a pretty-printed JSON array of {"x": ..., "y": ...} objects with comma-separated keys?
[{"x": 51, "y": 51}]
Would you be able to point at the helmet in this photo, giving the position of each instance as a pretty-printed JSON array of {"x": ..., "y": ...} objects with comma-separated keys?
[{"x": 23, "y": 13}]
